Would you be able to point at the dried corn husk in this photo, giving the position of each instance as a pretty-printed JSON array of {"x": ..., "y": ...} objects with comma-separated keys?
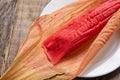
[{"x": 31, "y": 62}]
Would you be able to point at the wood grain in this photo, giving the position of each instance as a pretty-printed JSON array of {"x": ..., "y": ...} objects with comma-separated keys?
[
  {"x": 7, "y": 11},
  {"x": 15, "y": 18}
]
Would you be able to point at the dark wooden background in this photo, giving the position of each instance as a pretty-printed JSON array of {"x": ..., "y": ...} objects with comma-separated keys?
[{"x": 15, "y": 18}]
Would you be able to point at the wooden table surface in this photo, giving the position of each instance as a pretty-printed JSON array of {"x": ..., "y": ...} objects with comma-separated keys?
[{"x": 15, "y": 18}]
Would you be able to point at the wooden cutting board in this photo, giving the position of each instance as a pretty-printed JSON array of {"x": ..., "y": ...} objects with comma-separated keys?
[{"x": 15, "y": 18}]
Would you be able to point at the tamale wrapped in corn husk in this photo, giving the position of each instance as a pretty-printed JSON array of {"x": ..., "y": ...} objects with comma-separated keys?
[{"x": 31, "y": 63}]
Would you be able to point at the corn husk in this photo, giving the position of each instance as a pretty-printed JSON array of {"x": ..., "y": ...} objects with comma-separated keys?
[{"x": 31, "y": 62}]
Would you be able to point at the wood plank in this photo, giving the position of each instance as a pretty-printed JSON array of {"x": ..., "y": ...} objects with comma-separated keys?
[{"x": 7, "y": 11}]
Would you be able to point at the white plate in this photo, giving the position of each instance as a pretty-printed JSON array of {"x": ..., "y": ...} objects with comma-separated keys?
[{"x": 107, "y": 60}]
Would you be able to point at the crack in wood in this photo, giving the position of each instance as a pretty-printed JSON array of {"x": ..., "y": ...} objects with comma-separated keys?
[{"x": 54, "y": 76}]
